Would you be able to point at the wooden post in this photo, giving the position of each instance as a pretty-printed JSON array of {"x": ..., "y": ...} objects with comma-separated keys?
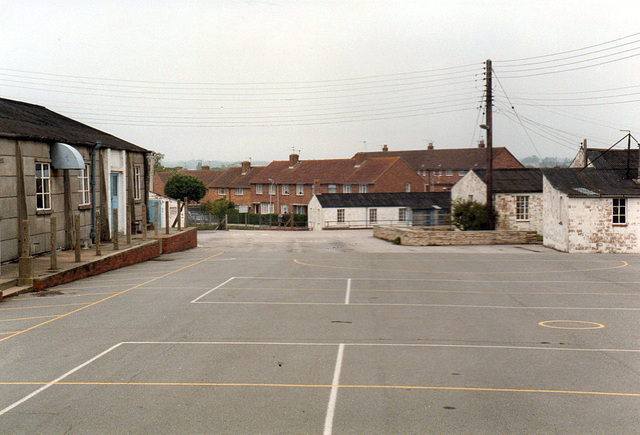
[
  {"x": 144, "y": 222},
  {"x": 156, "y": 219},
  {"x": 25, "y": 262},
  {"x": 54, "y": 243},
  {"x": 116, "y": 239},
  {"x": 98, "y": 234},
  {"x": 76, "y": 232},
  {"x": 179, "y": 216},
  {"x": 128, "y": 228},
  {"x": 186, "y": 216},
  {"x": 166, "y": 218}
]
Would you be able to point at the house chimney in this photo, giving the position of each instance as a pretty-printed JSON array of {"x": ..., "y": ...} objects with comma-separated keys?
[
  {"x": 246, "y": 166},
  {"x": 385, "y": 148},
  {"x": 430, "y": 146},
  {"x": 481, "y": 143},
  {"x": 585, "y": 158},
  {"x": 293, "y": 160},
  {"x": 206, "y": 167},
  {"x": 359, "y": 159}
]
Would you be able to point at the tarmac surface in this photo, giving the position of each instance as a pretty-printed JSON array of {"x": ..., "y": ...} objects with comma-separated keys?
[{"x": 329, "y": 332}]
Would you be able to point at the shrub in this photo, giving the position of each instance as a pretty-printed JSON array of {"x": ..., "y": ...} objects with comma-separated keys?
[{"x": 469, "y": 215}]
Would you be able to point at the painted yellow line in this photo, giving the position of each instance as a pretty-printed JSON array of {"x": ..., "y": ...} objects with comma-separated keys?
[
  {"x": 624, "y": 264},
  {"x": 429, "y": 291},
  {"x": 389, "y": 387},
  {"x": 64, "y": 295},
  {"x": 5, "y": 333},
  {"x": 43, "y": 306},
  {"x": 111, "y": 296},
  {"x": 593, "y": 325},
  {"x": 27, "y": 318}
]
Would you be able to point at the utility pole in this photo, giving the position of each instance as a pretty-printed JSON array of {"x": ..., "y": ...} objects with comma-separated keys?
[{"x": 489, "y": 128}]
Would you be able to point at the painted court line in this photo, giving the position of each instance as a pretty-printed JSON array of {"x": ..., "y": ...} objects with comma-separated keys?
[
  {"x": 537, "y": 281},
  {"x": 333, "y": 397},
  {"x": 212, "y": 290},
  {"x": 348, "y": 295}
]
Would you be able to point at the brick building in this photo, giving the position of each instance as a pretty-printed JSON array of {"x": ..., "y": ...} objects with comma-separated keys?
[
  {"x": 287, "y": 186},
  {"x": 234, "y": 184},
  {"x": 442, "y": 168}
]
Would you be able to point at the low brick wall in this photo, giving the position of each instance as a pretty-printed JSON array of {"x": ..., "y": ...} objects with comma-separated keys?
[
  {"x": 177, "y": 242},
  {"x": 420, "y": 237}
]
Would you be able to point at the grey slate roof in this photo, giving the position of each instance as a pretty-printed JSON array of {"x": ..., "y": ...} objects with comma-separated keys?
[
  {"x": 413, "y": 200},
  {"x": 26, "y": 121},
  {"x": 592, "y": 183},
  {"x": 614, "y": 159},
  {"x": 528, "y": 180}
]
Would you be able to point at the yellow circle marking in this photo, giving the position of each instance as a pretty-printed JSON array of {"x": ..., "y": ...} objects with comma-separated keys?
[
  {"x": 624, "y": 264},
  {"x": 590, "y": 325}
]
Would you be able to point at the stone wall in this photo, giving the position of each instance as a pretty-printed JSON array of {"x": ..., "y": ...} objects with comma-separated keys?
[{"x": 421, "y": 237}]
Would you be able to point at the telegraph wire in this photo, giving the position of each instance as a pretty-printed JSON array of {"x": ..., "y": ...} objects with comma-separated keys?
[{"x": 568, "y": 69}]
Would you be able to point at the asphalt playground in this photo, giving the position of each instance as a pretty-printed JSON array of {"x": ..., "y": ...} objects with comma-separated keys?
[{"x": 329, "y": 332}]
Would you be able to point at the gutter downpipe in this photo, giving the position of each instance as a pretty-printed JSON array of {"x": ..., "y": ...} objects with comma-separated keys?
[{"x": 93, "y": 190}]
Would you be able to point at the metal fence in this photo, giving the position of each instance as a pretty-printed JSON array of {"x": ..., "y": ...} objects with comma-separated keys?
[
  {"x": 203, "y": 220},
  {"x": 418, "y": 221}
]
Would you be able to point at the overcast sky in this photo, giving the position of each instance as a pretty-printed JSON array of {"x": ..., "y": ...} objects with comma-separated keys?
[{"x": 233, "y": 80}]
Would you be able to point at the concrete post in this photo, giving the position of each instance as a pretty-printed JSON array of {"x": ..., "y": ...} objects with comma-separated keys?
[
  {"x": 128, "y": 228},
  {"x": 116, "y": 239},
  {"x": 76, "y": 233},
  {"x": 166, "y": 215},
  {"x": 25, "y": 262},
  {"x": 98, "y": 234},
  {"x": 144, "y": 222},
  {"x": 54, "y": 244}
]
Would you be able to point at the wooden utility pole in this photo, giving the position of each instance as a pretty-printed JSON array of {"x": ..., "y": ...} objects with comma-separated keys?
[{"x": 489, "y": 128}]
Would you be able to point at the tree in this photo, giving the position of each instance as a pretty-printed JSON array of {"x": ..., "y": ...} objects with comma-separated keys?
[
  {"x": 180, "y": 186},
  {"x": 219, "y": 209},
  {"x": 469, "y": 215}
]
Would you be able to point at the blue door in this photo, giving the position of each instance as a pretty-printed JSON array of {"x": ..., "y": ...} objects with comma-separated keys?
[{"x": 114, "y": 201}]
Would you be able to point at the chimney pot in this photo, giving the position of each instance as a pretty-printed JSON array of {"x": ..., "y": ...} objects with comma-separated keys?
[
  {"x": 430, "y": 146},
  {"x": 385, "y": 148},
  {"x": 481, "y": 143}
]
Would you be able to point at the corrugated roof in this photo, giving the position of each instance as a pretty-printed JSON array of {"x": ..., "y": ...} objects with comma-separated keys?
[
  {"x": 439, "y": 159},
  {"x": 592, "y": 182},
  {"x": 413, "y": 200},
  {"x": 514, "y": 180},
  {"x": 614, "y": 159},
  {"x": 26, "y": 121}
]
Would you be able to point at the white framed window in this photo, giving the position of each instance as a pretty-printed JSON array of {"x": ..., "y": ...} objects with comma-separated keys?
[
  {"x": 522, "y": 208},
  {"x": 43, "y": 186},
  {"x": 340, "y": 215},
  {"x": 221, "y": 191},
  {"x": 407, "y": 188},
  {"x": 300, "y": 209},
  {"x": 402, "y": 214},
  {"x": 363, "y": 188},
  {"x": 272, "y": 189},
  {"x": 462, "y": 173},
  {"x": 85, "y": 192},
  {"x": 285, "y": 189},
  {"x": 332, "y": 188},
  {"x": 137, "y": 182},
  {"x": 373, "y": 215},
  {"x": 449, "y": 173},
  {"x": 239, "y": 191},
  {"x": 346, "y": 188},
  {"x": 284, "y": 208},
  {"x": 258, "y": 189},
  {"x": 619, "y": 211},
  {"x": 299, "y": 189},
  {"x": 266, "y": 208}
]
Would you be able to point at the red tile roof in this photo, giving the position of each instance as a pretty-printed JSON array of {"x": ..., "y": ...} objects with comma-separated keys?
[{"x": 233, "y": 177}]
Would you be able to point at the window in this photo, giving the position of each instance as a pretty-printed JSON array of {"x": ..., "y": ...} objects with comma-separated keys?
[
  {"x": 266, "y": 207},
  {"x": 407, "y": 188},
  {"x": 85, "y": 193},
  {"x": 373, "y": 215},
  {"x": 402, "y": 214},
  {"x": 300, "y": 209},
  {"x": 258, "y": 189},
  {"x": 363, "y": 188},
  {"x": 619, "y": 211},
  {"x": 346, "y": 188},
  {"x": 449, "y": 173},
  {"x": 43, "y": 186},
  {"x": 461, "y": 173},
  {"x": 137, "y": 182},
  {"x": 299, "y": 189},
  {"x": 239, "y": 191},
  {"x": 522, "y": 208},
  {"x": 221, "y": 191},
  {"x": 285, "y": 189},
  {"x": 272, "y": 189},
  {"x": 340, "y": 215},
  {"x": 284, "y": 209},
  {"x": 332, "y": 188}
]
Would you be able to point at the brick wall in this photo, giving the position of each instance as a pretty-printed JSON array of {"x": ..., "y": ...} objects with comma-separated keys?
[
  {"x": 396, "y": 178},
  {"x": 181, "y": 241},
  {"x": 421, "y": 237}
]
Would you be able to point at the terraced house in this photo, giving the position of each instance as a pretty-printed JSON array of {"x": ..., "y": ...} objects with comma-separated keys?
[{"x": 287, "y": 186}]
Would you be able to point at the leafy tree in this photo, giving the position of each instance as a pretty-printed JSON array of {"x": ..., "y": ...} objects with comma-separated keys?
[
  {"x": 180, "y": 186},
  {"x": 469, "y": 215},
  {"x": 219, "y": 209}
]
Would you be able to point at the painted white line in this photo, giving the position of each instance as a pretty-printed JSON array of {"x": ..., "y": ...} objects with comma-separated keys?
[
  {"x": 348, "y": 296},
  {"x": 443, "y": 280},
  {"x": 333, "y": 397},
  {"x": 426, "y": 305},
  {"x": 213, "y": 289},
  {"x": 44, "y": 387},
  {"x": 426, "y": 345}
]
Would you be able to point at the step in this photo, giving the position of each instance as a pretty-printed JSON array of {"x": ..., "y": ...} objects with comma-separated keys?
[
  {"x": 8, "y": 283},
  {"x": 15, "y": 290}
]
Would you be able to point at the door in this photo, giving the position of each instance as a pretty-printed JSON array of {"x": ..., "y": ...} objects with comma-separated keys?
[
  {"x": 114, "y": 201},
  {"x": 154, "y": 205}
]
